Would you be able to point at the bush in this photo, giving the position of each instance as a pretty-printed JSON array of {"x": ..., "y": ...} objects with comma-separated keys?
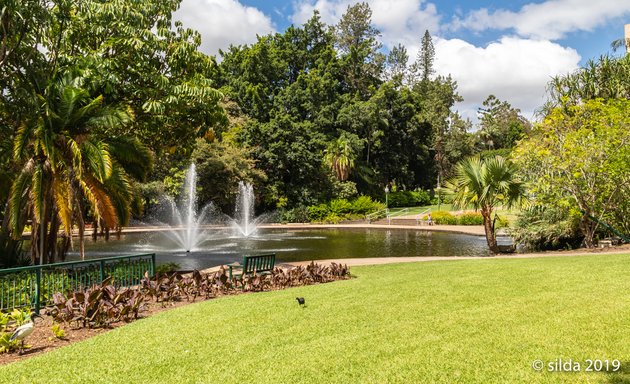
[
  {"x": 299, "y": 214},
  {"x": 339, "y": 206},
  {"x": 470, "y": 218},
  {"x": 443, "y": 218},
  {"x": 340, "y": 209},
  {"x": 547, "y": 228},
  {"x": 409, "y": 198},
  {"x": 364, "y": 205},
  {"x": 317, "y": 212},
  {"x": 167, "y": 268}
]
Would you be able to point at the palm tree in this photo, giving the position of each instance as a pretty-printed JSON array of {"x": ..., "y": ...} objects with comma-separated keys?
[
  {"x": 485, "y": 185},
  {"x": 340, "y": 157},
  {"x": 66, "y": 162}
]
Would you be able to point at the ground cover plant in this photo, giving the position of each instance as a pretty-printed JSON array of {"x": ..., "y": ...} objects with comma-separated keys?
[{"x": 464, "y": 321}]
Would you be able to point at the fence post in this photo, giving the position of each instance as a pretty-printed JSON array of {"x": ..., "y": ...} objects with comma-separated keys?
[
  {"x": 102, "y": 264},
  {"x": 38, "y": 291},
  {"x": 152, "y": 268}
]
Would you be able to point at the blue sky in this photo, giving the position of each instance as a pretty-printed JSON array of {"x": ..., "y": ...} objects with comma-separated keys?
[{"x": 509, "y": 49}]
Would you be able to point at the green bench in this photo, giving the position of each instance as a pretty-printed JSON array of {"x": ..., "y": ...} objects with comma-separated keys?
[{"x": 259, "y": 264}]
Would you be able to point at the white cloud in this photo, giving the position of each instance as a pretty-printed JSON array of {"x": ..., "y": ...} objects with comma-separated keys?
[
  {"x": 513, "y": 69},
  {"x": 401, "y": 21},
  {"x": 223, "y": 22},
  {"x": 550, "y": 20}
]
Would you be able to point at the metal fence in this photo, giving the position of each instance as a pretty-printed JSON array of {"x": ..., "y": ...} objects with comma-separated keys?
[{"x": 34, "y": 286}]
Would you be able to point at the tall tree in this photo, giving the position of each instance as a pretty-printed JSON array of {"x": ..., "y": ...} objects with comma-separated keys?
[
  {"x": 501, "y": 125},
  {"x": 485, "y": 184},
  {"x": 357, "y": 41},
  {"x": 396, "y": 64},
  {"x": 422, "y": 68}
]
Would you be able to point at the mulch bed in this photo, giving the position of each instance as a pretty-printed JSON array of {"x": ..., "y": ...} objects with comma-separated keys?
[{"x": 42, "y": 339}]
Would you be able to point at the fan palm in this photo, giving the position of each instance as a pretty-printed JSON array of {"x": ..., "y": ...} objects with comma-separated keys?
[
  {"x": 340, "y": 157},
  {"x": 485, "y": 185},
  {"x": 67, "y": 161}
]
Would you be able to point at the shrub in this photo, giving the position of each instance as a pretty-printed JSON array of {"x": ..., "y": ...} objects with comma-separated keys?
[
  {"x": 409, "y": 198},
  {"x": 299, "y": 214},
  {"x": 17, "y": 317},
  {"x": 318, "y": 212},
  {"x": 444, "y": 218},
  {"x": 470, "y": 218},
  {"x": 167, "y": 268},
  {"x": 545, "y": 228},
  {"x": 339, "y": 206},
  {"x": 364, "y": 205}
]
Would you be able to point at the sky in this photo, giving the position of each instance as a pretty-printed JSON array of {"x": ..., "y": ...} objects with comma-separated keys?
[{"x": 510, "y": 49}]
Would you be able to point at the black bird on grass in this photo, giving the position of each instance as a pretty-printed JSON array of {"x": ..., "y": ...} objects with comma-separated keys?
[{"x": 301, "y": 301}]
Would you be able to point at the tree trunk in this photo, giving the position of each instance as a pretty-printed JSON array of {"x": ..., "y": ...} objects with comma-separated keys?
[
  {"x": 81, "y": 225},
  {"x": 588, "y": 229},
  {"x": 52, "y": 238},
  {"x": 488, "y": 226}
]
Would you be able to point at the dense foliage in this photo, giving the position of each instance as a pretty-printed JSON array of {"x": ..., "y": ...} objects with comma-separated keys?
[{"x": 579, "y": 158}]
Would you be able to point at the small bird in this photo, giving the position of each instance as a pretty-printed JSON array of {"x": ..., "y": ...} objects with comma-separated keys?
[
  {"x": 301, "y": 301},
  {"x": 23, "y": 331}
]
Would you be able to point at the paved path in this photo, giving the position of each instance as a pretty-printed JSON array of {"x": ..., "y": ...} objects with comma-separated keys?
[{"x": 476, "y": 230}]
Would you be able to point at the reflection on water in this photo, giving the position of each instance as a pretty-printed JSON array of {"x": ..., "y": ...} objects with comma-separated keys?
[{"x": 292, "y": 245}]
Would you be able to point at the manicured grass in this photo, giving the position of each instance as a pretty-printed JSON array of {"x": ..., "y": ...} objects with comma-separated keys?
[
  {"x": 468, "y": 321},
  {"x": 419, "y": 210}
]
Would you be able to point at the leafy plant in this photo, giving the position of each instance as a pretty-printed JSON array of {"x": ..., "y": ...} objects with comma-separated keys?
[
  {"x": 58, "y": 332},
  {"x": 408, "y": 198},
  {"x": 444, "y": 218},
  {"x": 167, "y": 268},
  {"x": 97, "y": 306},
  {"x": 8, "y": 323},
  {"x": 470, "y": 218}
]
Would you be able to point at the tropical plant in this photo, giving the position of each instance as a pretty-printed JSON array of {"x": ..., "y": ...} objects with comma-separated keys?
[
  {"x": 67, "y": 160},
  {"x": 485, "y": 185},
  {"x": 340, "y": 157},
  {"x": 578, "y": 158}
]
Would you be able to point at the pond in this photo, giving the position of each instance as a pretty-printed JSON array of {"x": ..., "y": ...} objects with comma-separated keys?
[{"x": 291, "y": 245}]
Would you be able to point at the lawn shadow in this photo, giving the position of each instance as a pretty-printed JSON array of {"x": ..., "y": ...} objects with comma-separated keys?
[{"x": 621, "y": 376}]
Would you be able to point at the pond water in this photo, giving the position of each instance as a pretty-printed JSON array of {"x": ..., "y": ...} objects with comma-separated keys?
[{"x": 291, "y": 245}]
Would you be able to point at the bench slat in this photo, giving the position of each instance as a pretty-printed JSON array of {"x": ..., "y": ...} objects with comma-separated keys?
[{"x": 256, "y": 264}]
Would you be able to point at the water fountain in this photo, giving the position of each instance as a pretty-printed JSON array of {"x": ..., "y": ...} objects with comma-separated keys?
[
  {"x": 197, "y": 239},
  {"x": 244, "y": 223},
  {"x": 186, "y": 224}
]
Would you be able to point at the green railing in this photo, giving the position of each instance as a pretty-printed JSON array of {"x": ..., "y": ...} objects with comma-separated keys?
[{"x": 34, "y": 286}]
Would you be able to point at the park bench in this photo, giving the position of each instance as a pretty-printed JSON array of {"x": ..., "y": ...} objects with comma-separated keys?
[{"x": 259, "y": 264}]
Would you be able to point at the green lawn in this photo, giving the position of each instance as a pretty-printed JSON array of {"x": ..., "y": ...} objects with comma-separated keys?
[{"x": 468, "y": 321}]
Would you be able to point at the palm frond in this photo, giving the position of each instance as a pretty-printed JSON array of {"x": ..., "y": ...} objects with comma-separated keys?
[
  {"x": 20, "y": 142},
  {"x": 63, "y": 201},
  {"x": 100, "y": 201},
  {"x": 135, "y": 157},
  {"x": 18, "y": 200},
  {"x": 97, "y": 159}
]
